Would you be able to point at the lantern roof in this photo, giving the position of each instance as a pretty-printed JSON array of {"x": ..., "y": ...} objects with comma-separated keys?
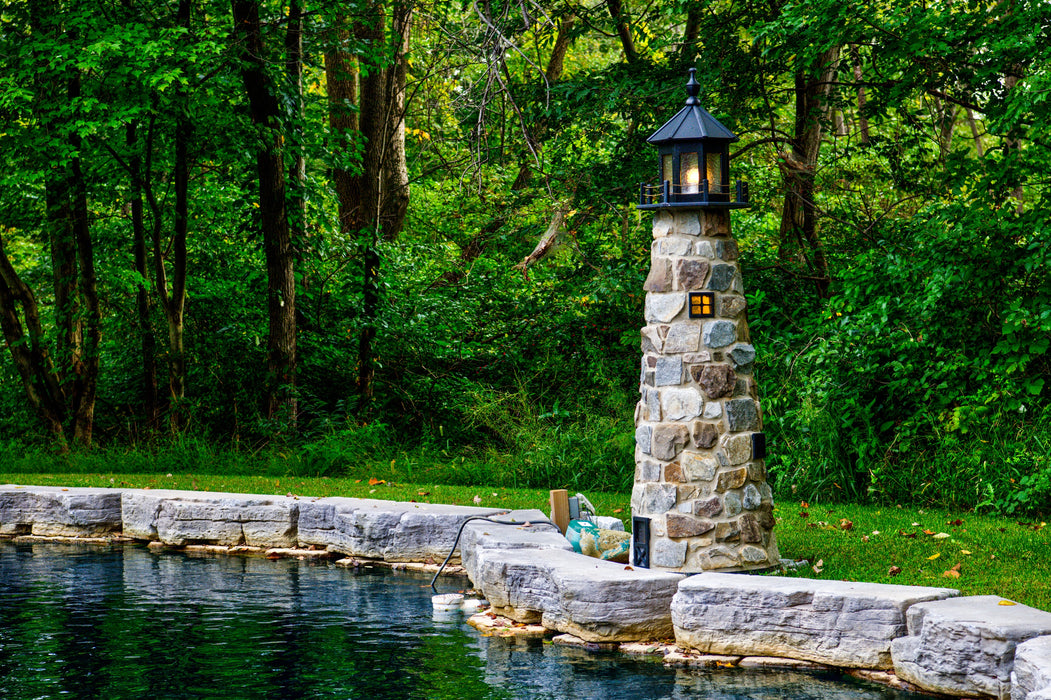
[{"x": 692, "y": 122}]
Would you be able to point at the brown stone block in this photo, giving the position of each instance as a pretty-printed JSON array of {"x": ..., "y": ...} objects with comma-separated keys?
[
  {"x": 738, "y": 448},
  {"x": 690, "y": 492},
  {"x": 727, "y": 532},
  {"x": 716, "y": 381},
  {"x": 708, "y": 508},
  {"x": 668, "y": 440},
  {"x": 705, "y": 435},
  {"x": 691, "y": 273},
  {"x": 721, "y": 558},
  {"x": 728, "y": 250},
  {"x": 730, "y": 306},
  {"x": 659, "y": 279},
  {"x": 765, "y": 515},
  {"x": 715, "y": 222},
  {"x": 732, "y": 479},
  {"x": 756, "y": 470},
  {"x": 751, "y": 532},
  {"x": 673, "y": 473},
  {"x": 687, "y": 526}
]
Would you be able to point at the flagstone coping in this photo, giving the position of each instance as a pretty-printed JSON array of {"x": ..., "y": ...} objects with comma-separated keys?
[{"x": 531, "y": 575}]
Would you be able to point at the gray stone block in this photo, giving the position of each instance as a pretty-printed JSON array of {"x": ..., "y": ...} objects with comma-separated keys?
[
  {"x": 577, "y": 595},
  {"x": 54, "y": 511},
  {"x": 742, "y": 415},
  {"x": 668, "y": 371},
  {"x": 199, "y": 517},
  {"x": 830, "y": 622},
  {"x": 644, "y": 438},
  {"x": 966, "y": 646},
  {"x": 681, "y": 404},
  {"x": 722, "y": 277},
  {"x": 683, "y": 337},
  {"x": 662, "y": 308},
  {"x": 481, "y": 537},
  {"x": 719, "y": 334},
  {"x": 388, "y": 530},
  {"x": 1031, "y": 677},
  {"x": 653, "y": 499}
]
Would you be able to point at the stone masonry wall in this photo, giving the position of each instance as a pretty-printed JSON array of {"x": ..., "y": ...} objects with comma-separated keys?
[{"x": 699, "y": 472}]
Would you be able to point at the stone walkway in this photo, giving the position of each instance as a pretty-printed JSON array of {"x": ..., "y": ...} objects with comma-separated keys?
[{"x": 929, "y": 638}]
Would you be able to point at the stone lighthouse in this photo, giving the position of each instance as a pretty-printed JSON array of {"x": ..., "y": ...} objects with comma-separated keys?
[{"x": 701, "y": 501}]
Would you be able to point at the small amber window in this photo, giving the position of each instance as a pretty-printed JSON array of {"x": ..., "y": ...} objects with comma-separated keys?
[{"x": 702, "y": 304}]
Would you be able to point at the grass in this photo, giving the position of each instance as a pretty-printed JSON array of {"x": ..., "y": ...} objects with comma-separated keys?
[{"x": 976, "y": 554}]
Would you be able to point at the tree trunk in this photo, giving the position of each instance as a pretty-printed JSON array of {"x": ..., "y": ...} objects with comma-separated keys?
[
  {"x": 175, "y": 305},
  {"x": 143, "y": 305},
  {"x": 277, "y": 245},
  {"x": 619, "y": 13},
  {"x": 863, "y": 121},
  {"x": 29, "y": 350},
  {"x": 979, "y": 147},
  {"x": 297, "y": 169},
  {"x": 373, "y": 120},
  {"x": 799, "y": 215},
  {"x": 64, "y": 397},
  {"x": 86, "y": 369},
  {"x": 341, "y": 79},
  {"x": 395, "y": 187}
]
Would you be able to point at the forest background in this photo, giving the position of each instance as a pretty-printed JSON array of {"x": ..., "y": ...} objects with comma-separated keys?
[{"x": 399, "y": 239}]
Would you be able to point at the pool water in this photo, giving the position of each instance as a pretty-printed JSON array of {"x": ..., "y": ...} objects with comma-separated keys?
[{"x": 89, "y": 622}]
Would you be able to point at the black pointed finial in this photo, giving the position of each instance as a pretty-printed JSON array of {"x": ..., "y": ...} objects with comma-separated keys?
[{"x": 693, "y": 88}]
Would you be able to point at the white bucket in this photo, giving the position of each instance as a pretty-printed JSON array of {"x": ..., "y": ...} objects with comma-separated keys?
[{"x": 449, "y": 602}]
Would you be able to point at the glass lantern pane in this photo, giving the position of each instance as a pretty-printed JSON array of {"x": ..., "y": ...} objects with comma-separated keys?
[
  {"x": 714, "y": 172},
  {"x": 689, "y": 173},
  {"x": 667, "y": 164}
]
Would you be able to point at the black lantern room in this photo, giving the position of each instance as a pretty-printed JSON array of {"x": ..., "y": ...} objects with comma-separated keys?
[{"x": 694, "y": 151}]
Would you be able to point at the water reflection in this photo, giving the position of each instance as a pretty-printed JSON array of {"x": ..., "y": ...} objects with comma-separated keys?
[{"x": 130, "y": 623}]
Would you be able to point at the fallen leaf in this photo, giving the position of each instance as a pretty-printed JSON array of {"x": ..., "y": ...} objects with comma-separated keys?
[
  {"x": 894, "y": 571},
  {"x": 934, "y": 556},
  {"x": 618, "y": 510},
  {"x": 875, "y": 532},
  {"x": 628, "y": 568},
  {"x": 915, "y": 524},
  {"x": 1007, "y": 602},
  {"x": 964, "y": 551},
  {"x": 928, "y": 532},
  {"x": 819, "y": 566},
  {"x": 477, "y": 500},
  {"x": 423, "y": 493},
  {"x": 374, "y": 481},
  {"x": 804, "y": 514},
  {"x": 940, "y": 536},
  {"x": 951, "y": 573},
  {"x": 845, "y": 524},
  {"x": 955, "y": 523},
  {"x": 864, "y": 538},
  {"x": 804, "y": 504}
]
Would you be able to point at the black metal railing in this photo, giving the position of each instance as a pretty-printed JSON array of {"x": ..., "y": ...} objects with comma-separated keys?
[{"x": 667, "y": 195}]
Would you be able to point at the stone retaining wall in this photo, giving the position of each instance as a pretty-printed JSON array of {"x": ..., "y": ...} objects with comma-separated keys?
[{"x": 974, "y": 646}]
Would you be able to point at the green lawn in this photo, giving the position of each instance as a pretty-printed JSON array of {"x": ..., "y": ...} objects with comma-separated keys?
[{"x": 991, "y": 555}]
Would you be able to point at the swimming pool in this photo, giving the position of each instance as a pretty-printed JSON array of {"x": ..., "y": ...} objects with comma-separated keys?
[{"x": 93, "y": 622}]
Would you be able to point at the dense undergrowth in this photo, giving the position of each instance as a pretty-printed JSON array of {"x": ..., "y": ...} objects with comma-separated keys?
[{"x": 911, "y": 369}]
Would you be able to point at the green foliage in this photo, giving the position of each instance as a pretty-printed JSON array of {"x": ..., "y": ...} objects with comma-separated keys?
[
  {"x": 921, "y": 376},
  {"x": 934, "y": 344}
]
